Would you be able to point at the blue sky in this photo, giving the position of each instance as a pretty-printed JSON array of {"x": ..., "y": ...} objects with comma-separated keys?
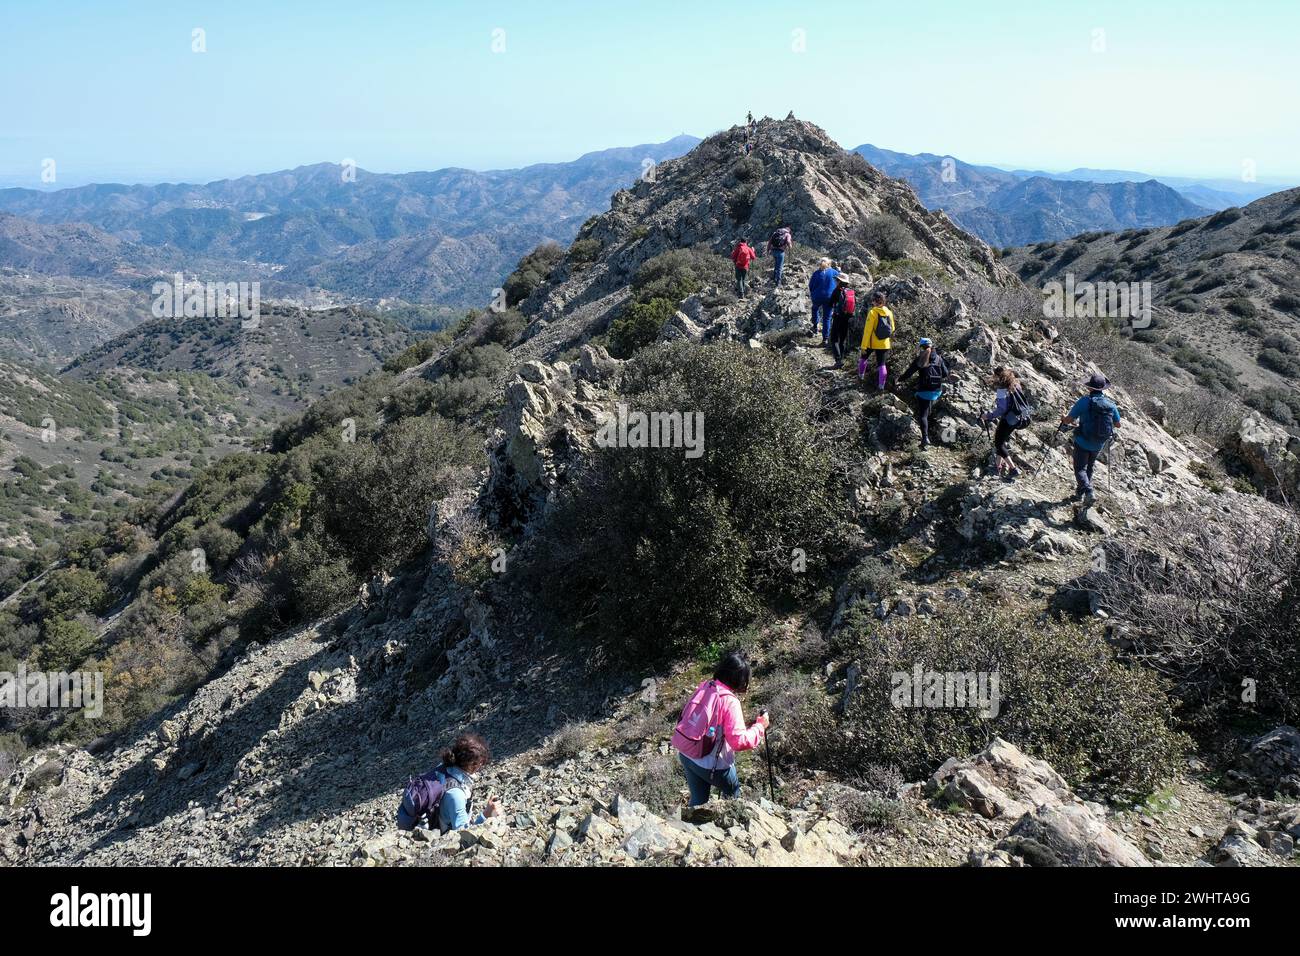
[{"x": 113, "y": 90}]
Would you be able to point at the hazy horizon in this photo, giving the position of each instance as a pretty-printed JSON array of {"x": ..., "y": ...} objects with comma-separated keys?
[
  {"x": 5, "y": 183},
  {"x": 195, "y": 93}
]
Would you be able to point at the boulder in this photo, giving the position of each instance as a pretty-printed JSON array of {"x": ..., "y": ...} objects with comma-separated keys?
[
  {"x": 1272, "y": 761},
  {"x": 1270, "y": 452},
  {"x": 1000, "y": 781},
  {"x": 1069, "y": 835}
]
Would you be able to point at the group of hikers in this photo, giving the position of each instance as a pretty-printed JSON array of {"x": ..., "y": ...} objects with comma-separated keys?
[
  {"x": 708, "y": 736},
  {"x": 712, "y": 728},
  {"x": 1094, "y": 417}
]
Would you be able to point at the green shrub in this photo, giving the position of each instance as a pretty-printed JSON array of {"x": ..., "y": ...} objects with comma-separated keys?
[
  {"x": 1224, "y": 218},
  {"x": 418, "y": 353},
  {"x": 1286, "y": 302},
  {"x": 64, "y": 644},
  {"x": 318, "y": 577},
  {"x": 531, "y": 272},
  {"x": 584, "y": 250},
  {"x": 1241, "y": 306},
  {"x": 885, "y": 236},
  {"x": 665, "y": 551},
  {"x": 638, "y": 326},
  {"x": 1280, "y": 362},
  {"x": 1062, "y": 697},
  {"x": 748, "y": 169},
  {"x": 374, "y": 498},
  {"x": 741, "y": 203},
  {"x": 677, "y": 273}
]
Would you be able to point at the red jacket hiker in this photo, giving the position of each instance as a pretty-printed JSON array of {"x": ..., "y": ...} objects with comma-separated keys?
[{"x": 743, "y": 255}]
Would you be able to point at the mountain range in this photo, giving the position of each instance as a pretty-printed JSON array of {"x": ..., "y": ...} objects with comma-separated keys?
[
  {"x": 455, "y": 232},
  {"x": 1018, "y": 207}
]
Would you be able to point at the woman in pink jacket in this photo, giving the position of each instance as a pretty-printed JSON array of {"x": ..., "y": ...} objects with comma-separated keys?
[{"x": 712, "y": 730}]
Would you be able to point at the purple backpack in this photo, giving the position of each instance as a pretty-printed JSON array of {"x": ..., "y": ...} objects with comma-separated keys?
[{"x": 423, "y": 796}]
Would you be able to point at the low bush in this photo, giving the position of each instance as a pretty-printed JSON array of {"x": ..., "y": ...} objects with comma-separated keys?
[
  {"x": 638, "y": 326},
  {"x": 665, "y": 550},
  {"x": 1061, "y": 696},
  {"x": 885, "y": 236}
]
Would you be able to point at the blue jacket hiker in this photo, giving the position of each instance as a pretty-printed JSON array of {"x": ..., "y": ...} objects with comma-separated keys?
[
  {"x": 444, "y": 796},
  {"x": 1096, "y": 417},
  {"x": 821, "y": 287}
]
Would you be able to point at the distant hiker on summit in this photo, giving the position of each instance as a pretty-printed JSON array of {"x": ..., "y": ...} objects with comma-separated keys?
[
  {"x": 742, "y": 256},
  {"x": 1011, "y": 412},
  {"x": 778, "y": 244},
  {"x": 443, "y": 797},
  {"x": 821, "y": 287},
  {"x": 932, "y": 372},
  {"x": 1097, "y": 418},
  {"x": 712, "y": 729},
  {"x": 876, "y": 333}
]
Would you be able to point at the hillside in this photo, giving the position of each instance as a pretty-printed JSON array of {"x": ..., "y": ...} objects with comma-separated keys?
[
  {"x": 1011, "y": 209},
  {"x": 293, "y": 356},
  {"x": 49, "y": 320},
  {"x": 71, "y": 249},
  {"x": 1225, "y": 292},
  {"x": 478, "y": 557},
  {"x": 78, "y": 455}
]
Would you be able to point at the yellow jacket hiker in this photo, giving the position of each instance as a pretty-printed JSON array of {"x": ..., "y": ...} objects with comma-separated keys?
[{"x": 869, "y": 338}]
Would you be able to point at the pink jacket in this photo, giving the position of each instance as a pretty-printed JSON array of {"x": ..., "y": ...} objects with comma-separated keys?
[{"x": 735, "y": 736}]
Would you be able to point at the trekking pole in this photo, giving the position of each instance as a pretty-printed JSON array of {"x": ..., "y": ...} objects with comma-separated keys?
[
  {"x": 1109, "y": 441},
  {"x": 767, "y": 750},
  {"x": 1047, "y": 447}
]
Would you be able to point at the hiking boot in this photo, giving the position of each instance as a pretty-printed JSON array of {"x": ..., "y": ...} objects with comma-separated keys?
[
  {"x": 1013, "y": 474},
  {"x": 1089, "y": 499}
]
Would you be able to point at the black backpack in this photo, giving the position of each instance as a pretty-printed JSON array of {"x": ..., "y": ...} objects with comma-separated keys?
[
  {"x": 884, "y": 326},
  {"x": 1019, "y": 408},
  {"x": 934, "y": 374}
]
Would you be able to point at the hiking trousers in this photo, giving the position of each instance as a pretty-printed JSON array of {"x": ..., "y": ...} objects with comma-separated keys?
[
  {"x": 1002, "y": 439},
  {"x": 701, "y": 781},
  {"x": 827, "y": 312},
  {"x": 1084, "y": 460},
  {"x": 921, "y": 409},
  {"x": 879, "y": 358},
  {"x": 839, "y": 337},
  {"x": 778, "y": 266},
  {"x": 742, "y": 280}
]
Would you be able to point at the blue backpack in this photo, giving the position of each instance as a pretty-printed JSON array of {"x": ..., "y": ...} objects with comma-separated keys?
[{"x": 1098, "y": 422}]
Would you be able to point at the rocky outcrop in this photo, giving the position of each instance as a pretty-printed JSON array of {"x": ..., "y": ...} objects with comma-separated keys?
[
  {"x": 1264, "y": 833},
  {"x": 545, "y": 431},
  {"x": 795, "y": 175},
  {"x": 1055, "y": 828},
  {"x": 1270, "y": 451},
  {"x": 1066, "y": 835},
  {"x": 1271, "y": 764}
]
